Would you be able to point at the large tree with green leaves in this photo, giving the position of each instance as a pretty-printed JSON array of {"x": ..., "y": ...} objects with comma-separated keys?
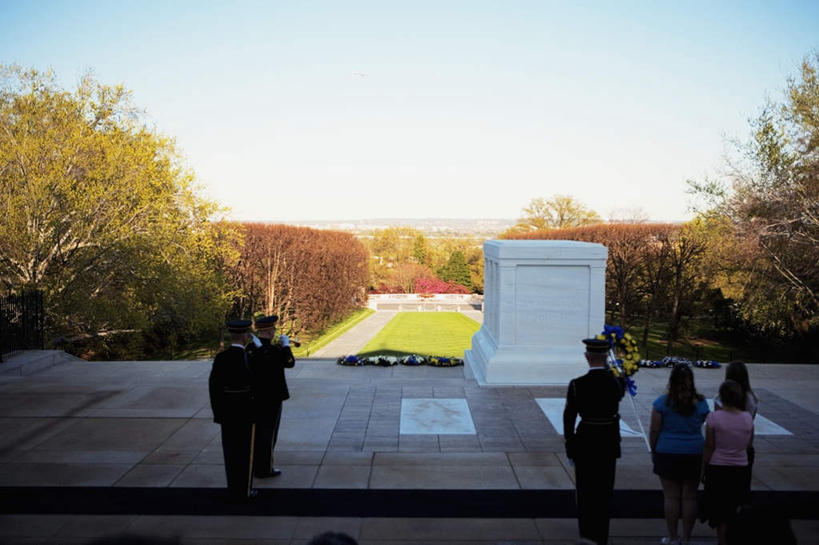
[
  {"x": 771, "y": 198},
  {"x": 100, "y": 212},
  {"x": 557, "y": 212}
]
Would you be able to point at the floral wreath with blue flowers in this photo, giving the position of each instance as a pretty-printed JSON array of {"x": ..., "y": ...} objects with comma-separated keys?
[
  {"x": 389, "y": 361},
  {"x": 671, "y": 361},
  {"x": 624, "y": 355}
]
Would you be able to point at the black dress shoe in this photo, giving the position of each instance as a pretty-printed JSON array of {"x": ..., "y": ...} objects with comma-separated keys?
[{"x": 268, "y": 474}]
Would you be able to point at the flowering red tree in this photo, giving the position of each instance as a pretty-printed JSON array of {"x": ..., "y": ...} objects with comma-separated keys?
[{"x": 436, "y": 285}]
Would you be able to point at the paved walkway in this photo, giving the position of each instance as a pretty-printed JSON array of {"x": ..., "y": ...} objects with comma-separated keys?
[
  {"x": 352, "y": 341},
  {"x": 89, "y": 449}
]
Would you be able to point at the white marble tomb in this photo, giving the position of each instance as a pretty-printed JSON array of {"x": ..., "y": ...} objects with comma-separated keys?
[{"x": 541, "y": 298}]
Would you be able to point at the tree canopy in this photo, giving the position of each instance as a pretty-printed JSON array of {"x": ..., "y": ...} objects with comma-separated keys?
[
  {"x": 771, "y": 199},
  {"x": 557, "y": 212},
  {"x": 455, "y": 270},
  {"x": 99, "y": 210},
  {"x": 308, "y": 277}
]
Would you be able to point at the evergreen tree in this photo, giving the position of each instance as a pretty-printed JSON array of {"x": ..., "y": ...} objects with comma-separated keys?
[
  {"x": 456, "y": 270},
  {"x": 419, "y": 249}
]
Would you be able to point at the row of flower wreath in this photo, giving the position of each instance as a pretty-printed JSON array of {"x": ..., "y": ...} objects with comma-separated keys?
[
  {"x": 623, "y": 344},
  {"x": 671, "y": 361},
  {"x": 389, "y": 361}
]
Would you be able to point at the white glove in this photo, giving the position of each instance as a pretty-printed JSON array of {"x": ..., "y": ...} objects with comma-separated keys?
[
  {"x": 285, "y": 340},
  {"x": 256, "y": 342}
]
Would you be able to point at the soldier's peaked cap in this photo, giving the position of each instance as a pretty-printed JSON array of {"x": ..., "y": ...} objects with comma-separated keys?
[
  {"x": 600, "y": 346},
  {"x": 238, "y": 326},
  {"x": 266, "y": 321}
]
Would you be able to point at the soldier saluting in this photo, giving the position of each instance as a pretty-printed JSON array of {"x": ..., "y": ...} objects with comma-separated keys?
[
  {"x": 595, "y": 446},
  {"x": 267, "y": 363},
  {"x": 231, "y": 399}
]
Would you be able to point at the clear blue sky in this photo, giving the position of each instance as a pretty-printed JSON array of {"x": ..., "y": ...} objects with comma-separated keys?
[{"x": 465, "y": 109}]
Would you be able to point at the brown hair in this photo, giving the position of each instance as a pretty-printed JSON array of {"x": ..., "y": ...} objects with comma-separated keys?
[
  {"x": 682, "y": 395},
  {"x": 731, "y": 394},
  {"x": 738, "y": 372}
]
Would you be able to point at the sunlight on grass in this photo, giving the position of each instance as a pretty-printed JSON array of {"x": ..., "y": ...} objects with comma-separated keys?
[
  {"x": 423, "y": 333},
  {"x": 692, "y": 346}
]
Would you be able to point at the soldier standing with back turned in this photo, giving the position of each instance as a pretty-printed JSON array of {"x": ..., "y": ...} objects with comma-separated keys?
[
  {"x": 595, "y": 446},
  {"x": 268, "y": 362},
  {"x": 231, "y": 399}
]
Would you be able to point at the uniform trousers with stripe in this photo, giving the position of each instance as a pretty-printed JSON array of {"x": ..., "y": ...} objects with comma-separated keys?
[
  {"x": 237, "y": 447},
  {"x": 266, "y": 436},
  {"x": 594, "y": 480}
]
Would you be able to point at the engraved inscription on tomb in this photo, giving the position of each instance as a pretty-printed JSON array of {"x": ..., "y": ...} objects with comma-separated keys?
[{"x": 554, "y": 304}]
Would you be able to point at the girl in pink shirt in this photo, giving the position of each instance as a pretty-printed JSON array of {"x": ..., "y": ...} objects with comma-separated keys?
[{"x": 728, "y": 434}]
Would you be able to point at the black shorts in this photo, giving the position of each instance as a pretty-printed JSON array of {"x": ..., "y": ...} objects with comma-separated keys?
[
  {"x": 677, "y": 467},
  {"x": 726, "y": 489}
]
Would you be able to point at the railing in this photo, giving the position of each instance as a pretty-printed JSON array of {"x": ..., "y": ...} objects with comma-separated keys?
[
  {"x": 462, "y": 297},
  {"x": 21, "y": 323}
]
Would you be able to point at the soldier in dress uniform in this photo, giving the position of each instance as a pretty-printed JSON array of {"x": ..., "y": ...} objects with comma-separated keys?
[
  {"x": 231, "y": 398},
  {"x": 595, "y": 446},
  {"x": 268, "y": 362}
]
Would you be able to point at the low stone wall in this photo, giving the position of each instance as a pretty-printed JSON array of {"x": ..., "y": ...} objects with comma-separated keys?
[{"x": 415, "y": 302}]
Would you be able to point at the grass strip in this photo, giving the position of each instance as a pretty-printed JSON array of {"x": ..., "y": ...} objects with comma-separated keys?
[
  {"x": 695, "y": 345},
  {"x": 332, "y": 332},
  {"x": 424, "y": 333}
]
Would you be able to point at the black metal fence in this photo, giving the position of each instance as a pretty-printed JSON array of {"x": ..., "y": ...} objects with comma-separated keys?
[{"x": 21, "y": 322}]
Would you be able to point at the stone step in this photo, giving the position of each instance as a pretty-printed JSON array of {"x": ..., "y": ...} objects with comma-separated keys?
[{"x": 643, "y": 504}]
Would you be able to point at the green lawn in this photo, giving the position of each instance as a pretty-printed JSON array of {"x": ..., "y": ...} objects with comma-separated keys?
[
  {"x": 424, "y": 333},
  {"x": 696, "y": 345}
]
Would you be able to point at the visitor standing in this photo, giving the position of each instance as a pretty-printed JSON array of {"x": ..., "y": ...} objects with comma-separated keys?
[
  {"x": 231, "y": 399},
  {"x": 676, "y": 441},
  {"x": 595, "y": 445},
  {"x": 268, "y": 362},
  {"x": 728, "y": 434},
  {"x": 738, "y": 372}
]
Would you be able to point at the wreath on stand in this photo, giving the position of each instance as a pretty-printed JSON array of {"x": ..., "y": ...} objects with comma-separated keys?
[
  {"x": 624, "y": 355},
  {"x": 623, "y": 361}
]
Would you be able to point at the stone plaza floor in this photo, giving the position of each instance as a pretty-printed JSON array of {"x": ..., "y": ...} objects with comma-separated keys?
[{"x": 401, "y": 455}]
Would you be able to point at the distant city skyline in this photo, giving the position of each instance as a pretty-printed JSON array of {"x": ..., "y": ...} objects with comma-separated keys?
[
  {"x": 324, "y": 111},
  {"x": 429, "y": 227}
]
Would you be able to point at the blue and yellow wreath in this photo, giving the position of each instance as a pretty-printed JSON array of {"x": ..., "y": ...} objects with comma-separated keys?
[{"x": 625, "y": 354}]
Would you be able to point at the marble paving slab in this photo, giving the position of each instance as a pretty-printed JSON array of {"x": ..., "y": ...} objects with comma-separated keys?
[
  {"x": 435, "y": 416},
  {"x": 552, "y": 407}
]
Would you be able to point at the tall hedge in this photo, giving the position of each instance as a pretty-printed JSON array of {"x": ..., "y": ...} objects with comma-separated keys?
[{"x": 310, "y": 278}]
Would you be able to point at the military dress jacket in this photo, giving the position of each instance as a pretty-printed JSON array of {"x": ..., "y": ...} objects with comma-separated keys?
[
  {"x": 230, "y": 386},
  {"x": 267, "y": 363},
  {"x": 596, "y": 398}
]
